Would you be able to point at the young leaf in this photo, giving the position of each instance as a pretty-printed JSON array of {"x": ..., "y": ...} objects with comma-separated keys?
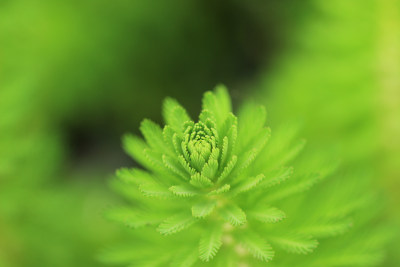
[
  {"x": 175, "y": 167},
  {"x": 247, "y": 184},
  {"x": 132, "y": 218},
  {"x": 186, "y": 165},
  {"x": 155, "y": 159},
  {"x": 233, "y": 214},
  {"x": 214, "y": 154},
  {"x": 303, "y": 184},
  {"x": 168, "y": 134},
  {"x": 210, "y": 169},
  {"x": 176, "y": 223},
  {"x": 251, "y": 120},
  {"x": 178, "y": 144},
  {"x": 276, "y": 177},
  {"x": 223, "y": 98},
  {"x": 135, "y": 147},
  {"x": 154, "y": 136},
  {"x": 218, "y": 103},
  {"x": 225, "y": 130},
  {"x": 174, "y": 114},
  {"x": 200, "y": 181},
  {"x": 232, "y": 136},
  {"x": 328, "y": 229},
  {"x": 203, "y": 208},
  {"x": 223, "y": 189},
  {"x": 224, "y": 153},
  {"x": 206, "y": 116},
  {"x": 134, "y": 176},
  {"x": 210, "y": 243},
  {"x": 250, "y": 155},
  {"x": 228, "y": 169},
  {"x": 266, "y": 214},
  {"x": 295, "y": 244},
  {"x": 155, "y": 190},
  {"x": 258, "y": 247},
  {"x": 245, "y": 160},
  {"x": 184, "y": 190},
  {"x": 197, "y": 161}
]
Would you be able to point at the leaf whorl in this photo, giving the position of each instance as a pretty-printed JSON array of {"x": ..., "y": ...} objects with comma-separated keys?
[{"x": 221, "y": 177}]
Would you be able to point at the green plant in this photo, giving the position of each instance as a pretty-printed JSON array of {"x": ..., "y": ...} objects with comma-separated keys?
[
  {"x": 221, "y": 192},
  {"x": 340, "y": 77}
]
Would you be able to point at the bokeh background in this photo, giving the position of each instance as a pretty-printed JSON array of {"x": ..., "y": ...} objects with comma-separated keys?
[{"x": 76, "y": 75}]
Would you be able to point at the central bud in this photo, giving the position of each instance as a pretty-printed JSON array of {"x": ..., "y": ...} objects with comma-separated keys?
[{"x": 199, "y": 143}]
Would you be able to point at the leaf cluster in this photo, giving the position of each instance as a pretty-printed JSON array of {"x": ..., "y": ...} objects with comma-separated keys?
[{"x": 224, "y": 190}]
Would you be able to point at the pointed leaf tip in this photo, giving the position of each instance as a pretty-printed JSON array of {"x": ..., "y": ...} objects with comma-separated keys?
[
  {"x": 218, "y": 103},
  {"x": 174, "y": 114},
  {"x": 210, "y": 243},
  {"x": 183, "y": 190},
  {"x": 176, "y": 223},
  {"x": 257, "y": 246},
  {"x": 203, "y": 208},
  {"x": 233, "y": 214}
]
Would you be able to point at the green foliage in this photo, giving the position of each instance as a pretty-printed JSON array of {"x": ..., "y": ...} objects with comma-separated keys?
[
  {"x": 210, "y": 243},
  {"x": 55, "y": 71},
  {"x": 223, "y": 189},
  {"x": 340, "y": 78}
]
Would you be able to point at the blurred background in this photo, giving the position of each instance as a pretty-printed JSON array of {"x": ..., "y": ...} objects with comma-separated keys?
[{"x": 76, "y": 75}]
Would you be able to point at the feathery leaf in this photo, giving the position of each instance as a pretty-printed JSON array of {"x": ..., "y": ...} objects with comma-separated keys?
[
  {"x": 176, "y": 223},
  {"x": 174, "y": 114},
  {"x": 258, "y": 247},
  {"x": 267, "y": 214},
  {"x": 131, "y": 218},
  {"x": 210, "y": 243},
  {"x": 153, "y": 135},
  {"x": 247, "y": 184},
  {"x": 200, "y": 181},
  {"x": 155, "y": 190},
  {"x": 233, "y": 214},
  {"x": 203, "y": 208},
  {"x": 184, "y": 190},
  {"x": 295, "y": 244}
]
